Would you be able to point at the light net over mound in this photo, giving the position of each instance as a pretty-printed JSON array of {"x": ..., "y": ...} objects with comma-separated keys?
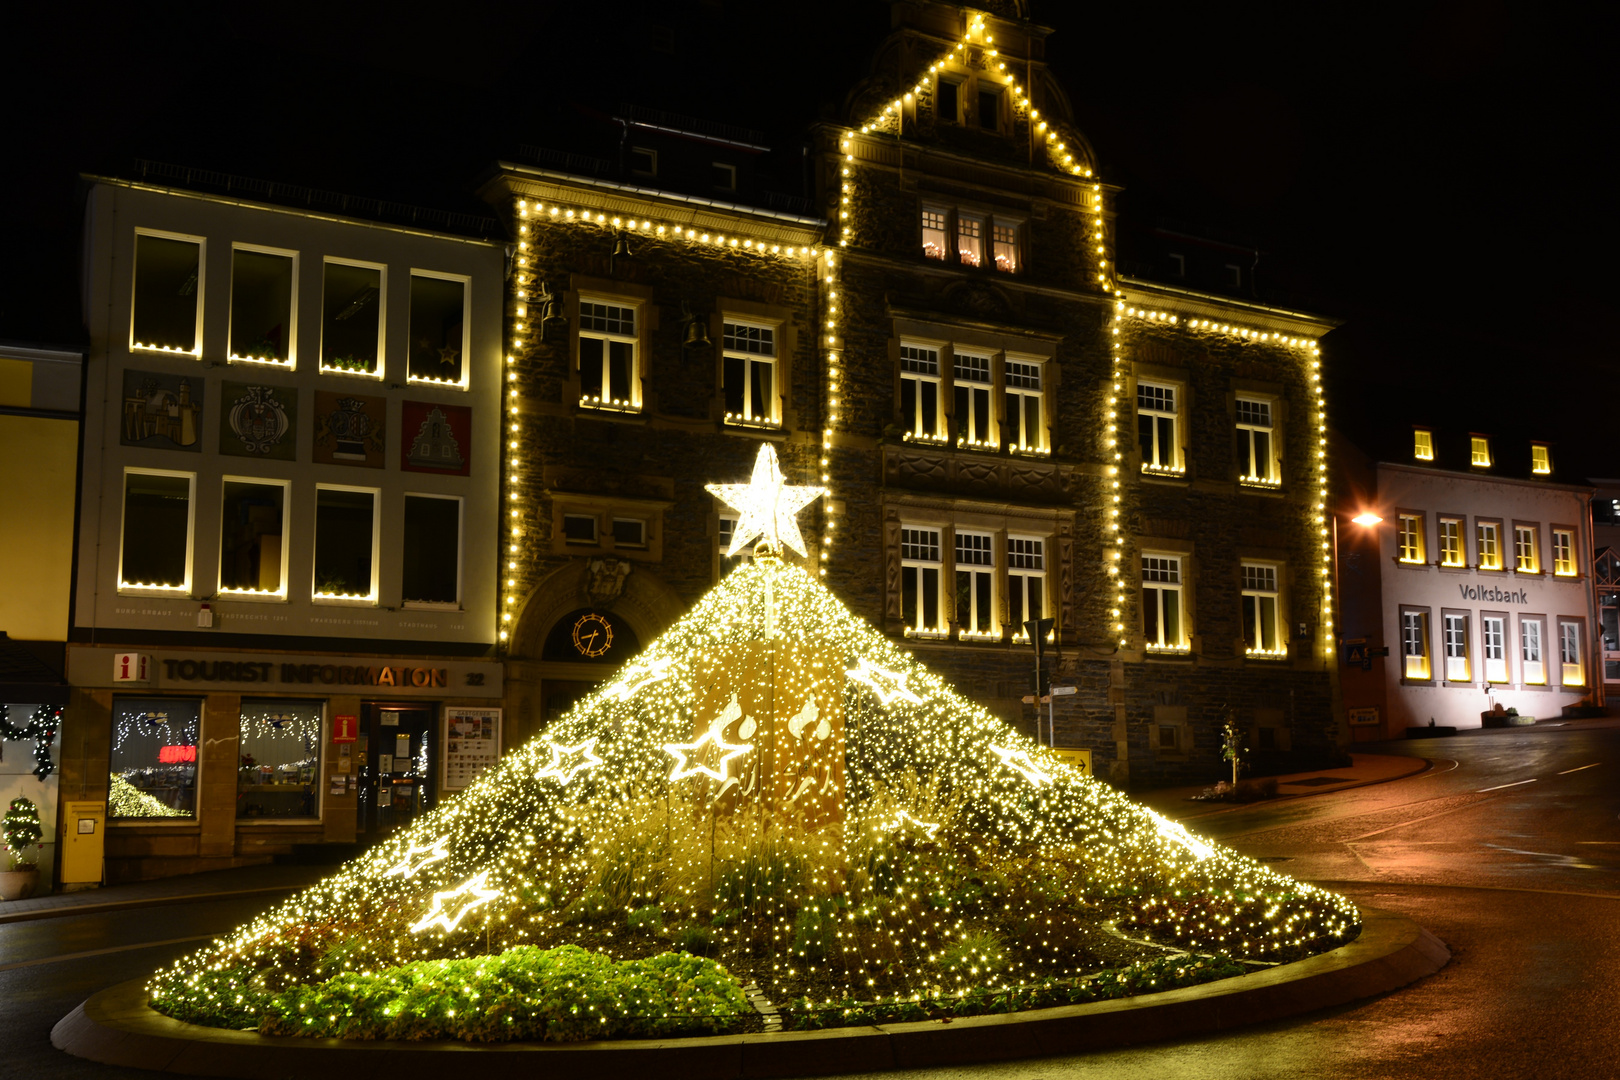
[{"x": 772, "y": 796}]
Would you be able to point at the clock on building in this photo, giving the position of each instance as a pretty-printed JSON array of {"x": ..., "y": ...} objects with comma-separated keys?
[{"x": 593, "y": 634}]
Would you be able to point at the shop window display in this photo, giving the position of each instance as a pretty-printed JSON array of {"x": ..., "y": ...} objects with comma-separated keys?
[
  {"x": 279, "y": 768},
  {"x": 154, "y": 758}
]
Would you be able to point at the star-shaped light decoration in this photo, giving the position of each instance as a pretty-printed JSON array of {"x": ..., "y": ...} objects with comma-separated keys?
[
  {"x": 769, "y": 507},
  {"x": 1020, "y": 762},
  {"x": 886, "y": 684},
  {"x": 440, "y": 911},
  {"x": 406, "y": 868},
  {"x": 1174, "y": 830},
  {"x": 903, "y": 820},
  {"x": 637, "y": 676},
  {"x": 569, "y": 761},
  {"x": 688, "y": 756}
]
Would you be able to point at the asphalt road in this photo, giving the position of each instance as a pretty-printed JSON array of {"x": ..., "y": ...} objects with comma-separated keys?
[{"x": 1508, "y": 850}]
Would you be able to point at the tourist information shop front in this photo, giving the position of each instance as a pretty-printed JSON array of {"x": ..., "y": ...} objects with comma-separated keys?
[{"x": 216, "y": 758}]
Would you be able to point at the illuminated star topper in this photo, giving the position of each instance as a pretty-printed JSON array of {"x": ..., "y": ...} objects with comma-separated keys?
[
  {"x": 440, "y": 912},
  {"x": 569, "y": 761},
  {"x": 1020, "y": 762},
  {"x": 769, "y": 507},
  {"x": 434, "y": 851}
]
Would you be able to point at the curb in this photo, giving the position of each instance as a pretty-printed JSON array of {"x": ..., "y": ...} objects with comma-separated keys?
[
  {"x": 1427, "y": 765},
  {"x": 63, "y": 911},
  {"x": 116, "y": 1027}
]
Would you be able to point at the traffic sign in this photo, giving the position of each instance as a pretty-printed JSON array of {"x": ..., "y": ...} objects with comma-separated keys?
[{"x": 1064, "y": 691}]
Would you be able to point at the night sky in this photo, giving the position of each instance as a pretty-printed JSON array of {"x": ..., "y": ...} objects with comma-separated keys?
[{"x": 1429, "y": 174}]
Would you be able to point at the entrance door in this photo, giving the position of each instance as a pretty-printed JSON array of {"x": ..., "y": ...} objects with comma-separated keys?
[{"x": 396, "y": 782}]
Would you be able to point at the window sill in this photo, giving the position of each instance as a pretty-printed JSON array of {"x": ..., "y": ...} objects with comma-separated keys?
[
  {"x": 609, "y": 405},
  {"x": 1255, "y": 484},
  {"x": 1168, "y": 472},
  {"x": 442, "y": 384},
  {"x": 263, "y": 361},
  {"x": 253, "y": 596},
  {"x": 1030, "y": 451},
  {"x": 178, "y": 592},
  {"x": 302, "y": 822},
  {"x": 975, "y": 637},
  {"x": 162, "y": 823},
  {"x": 925, "y": 440},
  {"x": 1265, "y": 654},
  {"x": 360, "y": 373},
  {"x": 1167, "y": 652},
  {"x": 430, "y": 605},
  {"x": 341, "y": 600},
  {"x": 166, "y": 350},
  {"x": 743, "y": 423},
  {"x": 912, "y": 633}
]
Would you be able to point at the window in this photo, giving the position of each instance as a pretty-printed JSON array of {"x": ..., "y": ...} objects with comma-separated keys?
[
  {"x": 1156, "y": 427},
  {"x": 933, "y": 233},
  {"x": 1178, "y": 265},
  {"x": 1480, "y": 451},
  {"x": 1255, "y": 454},
  {"x": 643, "y": 162},
  {"x": 168, "y": 293},
  {"x": 1005, "y": 239},
  {"x": 1569, "y": 653},
  {"x": 345, "y": 543},
  {"x": 723, "y": 176},
  {"x": 1493, "y": 635},
  {"x": 1451, "y": 546},
  {"x": 1161, "y": 602},
  {"x": 1563, "y": 542},
  {"x": 352, "y": 303},
  {"x": 989, "y": 110},
  {"x": 920, "y": 571},
  {"x": 1534, "y": 672},
  {"x": 1262, "y": 625},
  {"x": 920, "y": 393},
  {"x": 607, "y": 355},
  {"x": 1024, "y": 428},
  {"x": 1234, "y": 276},
  {"x": 1026, "y": 582},
  {"x": 1409, "y": 538},
  {"x": 949, "y": 104},
  {"x": 263, "y": 303},
  {"x": 1415, "y": 644},
  {"x": 432, "y": 551},
  {"x": 1169, "y": 737},
  {"x": 728, "y": 528},
  {"x": 438, "y": 330},
  {"x": 579, "y": 528},
  {"x": 1540, "y": 459},
  {"x": 975, "y": 584},
  {"x": 629, "y": 532},
  {"x": 1422, "y": 445},
  {"x": 153, "y": 767},
  {"x": 749, "y": 374},
  {"x": 1526, "y": 559},
  {"x": 157, "y": 538},
  {"x": 972, "y": 392},
  {"x": 279, "y": 772},
  {"x": 1489, "y": 536},
  {"x": 1456, "y": 629},
  {"x": 252, "y": 538},
  {"x": 970, "y": 239}
]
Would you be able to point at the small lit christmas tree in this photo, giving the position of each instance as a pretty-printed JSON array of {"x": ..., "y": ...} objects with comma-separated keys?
[
  {"x": 772, "y": 796},
  {"x": 21, "y": 826}
]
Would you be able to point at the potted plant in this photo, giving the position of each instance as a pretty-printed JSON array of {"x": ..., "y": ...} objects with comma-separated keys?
[{"x": 22, "y": 831}]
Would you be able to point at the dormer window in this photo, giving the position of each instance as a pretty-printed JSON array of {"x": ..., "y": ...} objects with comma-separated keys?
[
  {"x": 1422, "y": 445},
  {"x": 1540, "y": 459},
  {"x": 1481, "y": 452}
]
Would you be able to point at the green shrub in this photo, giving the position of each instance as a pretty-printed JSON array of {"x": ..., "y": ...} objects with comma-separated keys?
[
  {"x": 231, "y": 997},
  {"x": 646, "y": 920},
  {"x": 592, "y": 904},
  {"x": 974, "y": 955},
  {"x": 697, "y": 940}
]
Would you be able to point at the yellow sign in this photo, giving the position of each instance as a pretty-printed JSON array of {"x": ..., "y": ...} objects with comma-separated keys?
[{"x": 1080, "y": 759}]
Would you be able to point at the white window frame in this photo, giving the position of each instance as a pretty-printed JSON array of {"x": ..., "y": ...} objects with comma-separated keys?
[
  {"x": 1261, "y": 466},
  {"x": 725, "y": 529},
  {"x": 465, "y": 281},
  {"x": 1532, "y": 651},
  {"x": 1422, "y": 444},
  {"x": 286, "y": 517},
  {"x": 935, "y": 222},
  {"x": 1157, "y": 458},
  {"x": 1526, "y": 549},
  {"x": 1454, "y": 625},
  {"x": 771, "y": 334},
  {"x": 650, "y": 152},
  {"x": 1004, "y": 245},
  {"x": 1493, "y": 530},
  {"x": 382, "y": 317},
  {"x": 1262, "y": 589},
  {"x": 1479, "y": 451},
  {"x": 607, "y": 337},
  {"x": 1451, "y": 554},
  {"x": 1416, "y": 664},
  {"x": 596, "y": 529},
  {"x": 318, "y": 597},
  {"x": 975, "y": 561},
  {"x": 1563, "y": 553},
  {"x": 1026, "y": 579},
  {"x": 1162, "y": 575},
  {"x": 1493, "y": 647},
  {"x": 972, "y": 238},
  {"x": 731, "y": 172},
  {"x": 1540, "y": 459},
  {"x": 1571, "y": 656},
  {"x": 631, "y": 545},
  {"x": 1409, "y": 539},
  {"x": 915, "y": 568},
  {"x": 461, "y": 553},
  {"x": 135, "y": 588},
  {"x": 202, "y": 279},
  {"x": 291, "y": 362},
  {"x": 919, "y": 374},
  {"x": 1017, "y": 374},
  {"x": 971, "y": 385}
]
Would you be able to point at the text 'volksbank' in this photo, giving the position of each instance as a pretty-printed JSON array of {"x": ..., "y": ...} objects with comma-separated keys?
[{"x": 1493, "y": 595}]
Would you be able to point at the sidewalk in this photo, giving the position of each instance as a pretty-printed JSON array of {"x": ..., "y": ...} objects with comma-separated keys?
[
  {"x": 269, "y": 880},
  {"x": 1177, "y": 803}
]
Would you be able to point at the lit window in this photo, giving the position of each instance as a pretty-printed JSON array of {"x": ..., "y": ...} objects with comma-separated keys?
[
  {"x": 279, "y": 773},
  {"x": 252, "y": 540},
  {"x": 153, "y": 765},
  {"x": 975, "y": 584},
  {"x": 920, "y": 581},
  {"x": 749, "y": 374},
  {"x": 1489, "y": 536},
  {"x": 1162, "y": 623},
  {"x": 579, "y": 528},
  {"x": 607, "y": 355},
  {"x": 1006, "y": 247},
  {"x": 157, "y": 537},
  {"x": 1534, "y": 672},
  {"x": 263, "y": 303},
  {"x": 629, "y": 532},
  {"x": 168, "y": 294},
  {"x": 432, "y": 551},
  {"x": 1026, "y": 581},
  {"x": 920, "y": 393},
  {"x": 1255, "y": 442},
  {"x": 1409, "y": 538},
  {"x": 1456, "y": 627},
  {"x": 1563, "y": 552},
  {"x": 346, "y": 544},
  {"x": 970, "y": 239},
  {"x": 1024, "y": 428},
  {"x": 1262, "y": 626},
  {"x": 1451, "y": 545},
  {"x": 727, "y": 529},
  {"x": 352, "y": 304},
  {"x": 438, "y": 332},
  {"x": 1569, "y": 653},
  {"x": 1527, "y": 560},
  {"x": 1493, "y": 633},
  {"x": 1480, "y": 450},
  {"x": 971, "y": 387},
  {"x": 933, "y": 233},
  {"x": 1422, "y": 445},
  {"x": 1156, "y": 427},
  {"x": 1540, "y": 460},
  {"x": 1415, "y": 643}
]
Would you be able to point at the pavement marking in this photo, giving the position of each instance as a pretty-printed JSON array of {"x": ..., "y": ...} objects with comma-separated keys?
[
  {"x": 1594, "y": 765},
  {"x": 1517, "y": 783},
  {"x": 104, "y": 952},
  {"x": 1434, "y": 772},
  {"x": 1414, "y": 821}
]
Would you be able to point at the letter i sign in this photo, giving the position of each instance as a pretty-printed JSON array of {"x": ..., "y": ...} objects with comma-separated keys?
[{"x": 343, "y": 728}]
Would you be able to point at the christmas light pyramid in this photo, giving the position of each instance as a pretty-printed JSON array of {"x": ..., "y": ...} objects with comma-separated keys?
[{"x": 774, "y": 786}]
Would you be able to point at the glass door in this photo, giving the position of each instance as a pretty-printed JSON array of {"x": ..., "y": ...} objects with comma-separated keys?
[{"x": 398, "y": 762}]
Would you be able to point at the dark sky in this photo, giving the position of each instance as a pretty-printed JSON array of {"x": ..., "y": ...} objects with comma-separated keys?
[{"x": 1428, "y": 173}]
